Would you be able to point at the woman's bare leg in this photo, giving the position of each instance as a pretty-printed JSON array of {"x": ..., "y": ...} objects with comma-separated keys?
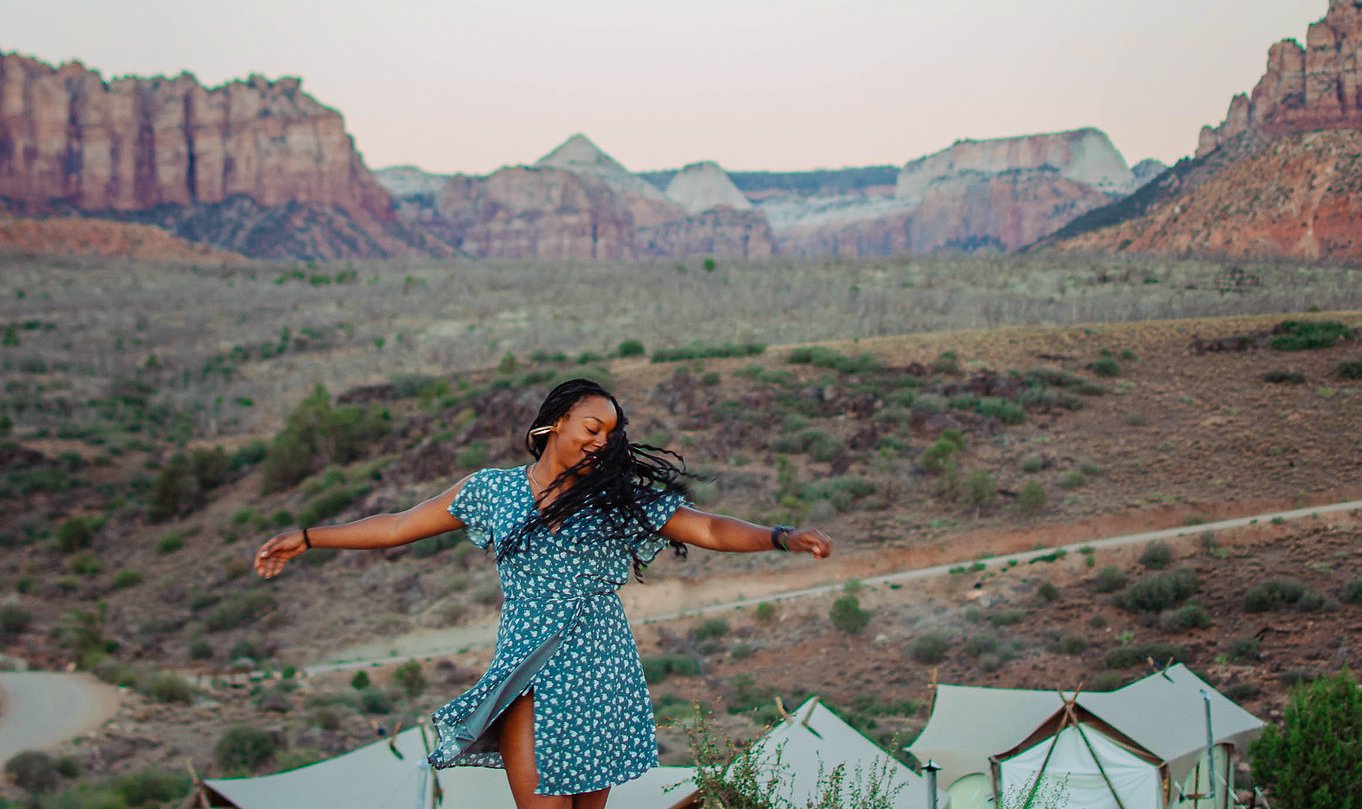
[
  {"x": 591, "y": 800},
  {"x": 515, "y": 741}
]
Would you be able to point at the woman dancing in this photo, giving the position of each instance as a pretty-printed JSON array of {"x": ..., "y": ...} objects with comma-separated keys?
[{"x": 563, "y": 707}]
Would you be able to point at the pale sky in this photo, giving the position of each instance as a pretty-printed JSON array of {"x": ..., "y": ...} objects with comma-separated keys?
[{"x": 471, "y": 85}]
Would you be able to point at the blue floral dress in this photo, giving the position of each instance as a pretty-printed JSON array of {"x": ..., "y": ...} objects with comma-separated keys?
[{"x": 563, "y": 634}]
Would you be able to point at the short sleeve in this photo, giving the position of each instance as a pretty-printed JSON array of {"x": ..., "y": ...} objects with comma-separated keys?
[
  {"x": 473, "y": 507},
  {"x": 648, "y": 543}
]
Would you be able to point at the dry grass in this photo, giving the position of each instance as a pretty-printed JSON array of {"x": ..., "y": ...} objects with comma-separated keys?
[{"x": 103, "y": 320}]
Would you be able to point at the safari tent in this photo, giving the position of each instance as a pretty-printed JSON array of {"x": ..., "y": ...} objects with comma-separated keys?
[
  {"x": 812, "y": 741},
  {"x": 1153, "y": 734},
  {"x": 393, "y": 774}
]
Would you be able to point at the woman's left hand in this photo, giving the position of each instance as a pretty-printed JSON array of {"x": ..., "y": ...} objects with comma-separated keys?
[{"x": 809, "y": 540}]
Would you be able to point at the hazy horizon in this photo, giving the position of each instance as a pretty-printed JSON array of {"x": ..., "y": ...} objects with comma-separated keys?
[{"x": 760, "y": 85}]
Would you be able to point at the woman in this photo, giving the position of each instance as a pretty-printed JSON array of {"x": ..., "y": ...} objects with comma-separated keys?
[{"x": 563, "y": 706}]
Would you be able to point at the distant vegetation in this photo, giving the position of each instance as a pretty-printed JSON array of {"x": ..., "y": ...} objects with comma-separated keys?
[{"x": 801, "y": 183}]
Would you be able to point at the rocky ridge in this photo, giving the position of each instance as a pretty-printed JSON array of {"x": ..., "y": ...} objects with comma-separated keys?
[
  {"x": 1277, "y": 179},
  {"x": 1317, "y": 86},
  {"x": 578, "y": 202},
  {"x": 72, "y": 142}
]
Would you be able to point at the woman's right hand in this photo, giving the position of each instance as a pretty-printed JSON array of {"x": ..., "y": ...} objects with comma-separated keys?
[{"x": 272, "y": 556}]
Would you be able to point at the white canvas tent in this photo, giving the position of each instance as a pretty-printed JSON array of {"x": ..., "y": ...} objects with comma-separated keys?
[
  {"x": 811, "y": 741},
  {"x": 393, "y": 774},
  {"x": 1161, "y": 718},
  {"x": 1097, "y": 771}
]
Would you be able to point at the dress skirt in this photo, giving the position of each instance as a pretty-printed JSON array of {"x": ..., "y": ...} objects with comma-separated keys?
[{"x": 562, "y": 634}]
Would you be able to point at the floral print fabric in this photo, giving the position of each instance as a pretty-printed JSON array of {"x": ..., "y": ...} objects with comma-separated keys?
[{"x": 562, "y": 634}]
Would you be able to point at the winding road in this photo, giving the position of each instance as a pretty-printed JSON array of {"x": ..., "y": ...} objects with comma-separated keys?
[{"x": 40, "y": 710}]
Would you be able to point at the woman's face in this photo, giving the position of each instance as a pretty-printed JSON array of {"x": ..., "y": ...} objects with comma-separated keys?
[{"x": 584, "y": 428}]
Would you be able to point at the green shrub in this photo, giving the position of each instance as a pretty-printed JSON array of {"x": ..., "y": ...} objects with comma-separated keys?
[
  {"x": 630, "y": 348},
  {"x": 979, "y": 490},
  {"x": 200, "y": 650},
  {"x": 947, "y": 362},
  {"x": 1068, "y": 645},
  {"x": 13, "y": 621},
  {"x": 244, "y": 748},
  {"x": 360, "y": 681},
  {"x": 1032, "y": 463},
  {"x": 1352, "y": 592},
  {"x": 1279, "y": 594},
  {"x": 126, "y": 578},
  {"x": 152, "y": 787},
  {"x": 238, "y": 611},
  {"x": 710, "y": 629},
  {"x": 375, "y": 701},
  {"x": 1007, "y": 617},
  {"x": 766, "y": 612},
  {"x": 1031, "y": 498},
  {"x": 1106, "y": 366},
  {"x": 657, "y": 668},
  {"x": 1159, "y": 591},
  {"x": 1299, "y": 335},
  {"x": 1047, "y": 592},
  {"x": 1108, "y": 580},
  {"x": 1191, "y": 616},
  {"x": 33, "y": 771},
  {"x": 74, "y": 534},
  {"x": 409, "y": 678},
  {"x": 1313, "y": 758},
  {"x": 1245, "y": 650},
  {"x": 843, "y": 493},
  {"x": 1072, "y": 479},
  {"x": 1284, "y": 378},
  {"x": 939, "y": 456},
  {"x": 168, "y": 687},
  {"x": 170, "y": 543},
  {"x": 698, "y": 351},
  {"x": 1156, "y": 556},
  {"x": 981, "y": 644},
  {"x": 317, "y": 435},
  {"x": 930, "y": 648},
  {"x": 847, "y": 615},
  {"x": 1351, "y": 369}
]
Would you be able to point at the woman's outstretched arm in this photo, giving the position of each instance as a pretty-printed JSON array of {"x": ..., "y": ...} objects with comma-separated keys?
[
  {"x": 377, "y": 531},
  {"x": 719, "y": 533}
]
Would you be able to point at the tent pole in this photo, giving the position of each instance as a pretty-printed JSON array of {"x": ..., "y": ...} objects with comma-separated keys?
[
  {"x": 1098, "y": 762},
  {"x": 1210, "y": 748}
]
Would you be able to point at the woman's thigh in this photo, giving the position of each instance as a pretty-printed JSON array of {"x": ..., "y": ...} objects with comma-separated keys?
[{"x": 515, "y": 741}]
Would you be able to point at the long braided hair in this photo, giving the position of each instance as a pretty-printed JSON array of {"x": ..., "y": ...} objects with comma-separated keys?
[{"x": 618, "y": 480}]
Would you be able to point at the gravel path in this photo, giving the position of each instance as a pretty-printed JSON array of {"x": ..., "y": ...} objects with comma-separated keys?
[
  {"x": 437, "y": 643},
  {"x": 41, "y": 709}
]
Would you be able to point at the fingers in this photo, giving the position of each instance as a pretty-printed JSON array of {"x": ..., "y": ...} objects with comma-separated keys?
[
  {"x": 270, "y": 559},
  {"x": 815, "y": 542}
]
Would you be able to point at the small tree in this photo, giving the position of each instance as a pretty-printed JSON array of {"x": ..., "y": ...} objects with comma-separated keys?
[
  {"x": 409, "y": 678},
  {"x": 847, "y": 615},
  {"x": 1313, "y": 758}
]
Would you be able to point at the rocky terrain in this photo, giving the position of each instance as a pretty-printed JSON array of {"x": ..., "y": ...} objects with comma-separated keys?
[
  {"x": 76, "y": 236},
  {"x": 999, "y": 195},
  {"x": 1124, "y": 427},
  {"x": 172, "y": 152},
  {"x": 1278, "y": 178}
]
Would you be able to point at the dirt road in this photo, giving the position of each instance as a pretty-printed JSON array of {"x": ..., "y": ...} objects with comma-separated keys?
[
  {"x": 41, "y": 709},
  {"x": 668, "y": 603}
]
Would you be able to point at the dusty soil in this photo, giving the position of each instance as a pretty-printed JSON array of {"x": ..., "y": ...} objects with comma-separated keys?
[{"x": 1179, "y": 438}]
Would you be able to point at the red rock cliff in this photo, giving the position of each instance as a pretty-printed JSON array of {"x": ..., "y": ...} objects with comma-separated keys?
[
  {"x": 68, "y": 136},
  {"x": 1318, "y": 86}
]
